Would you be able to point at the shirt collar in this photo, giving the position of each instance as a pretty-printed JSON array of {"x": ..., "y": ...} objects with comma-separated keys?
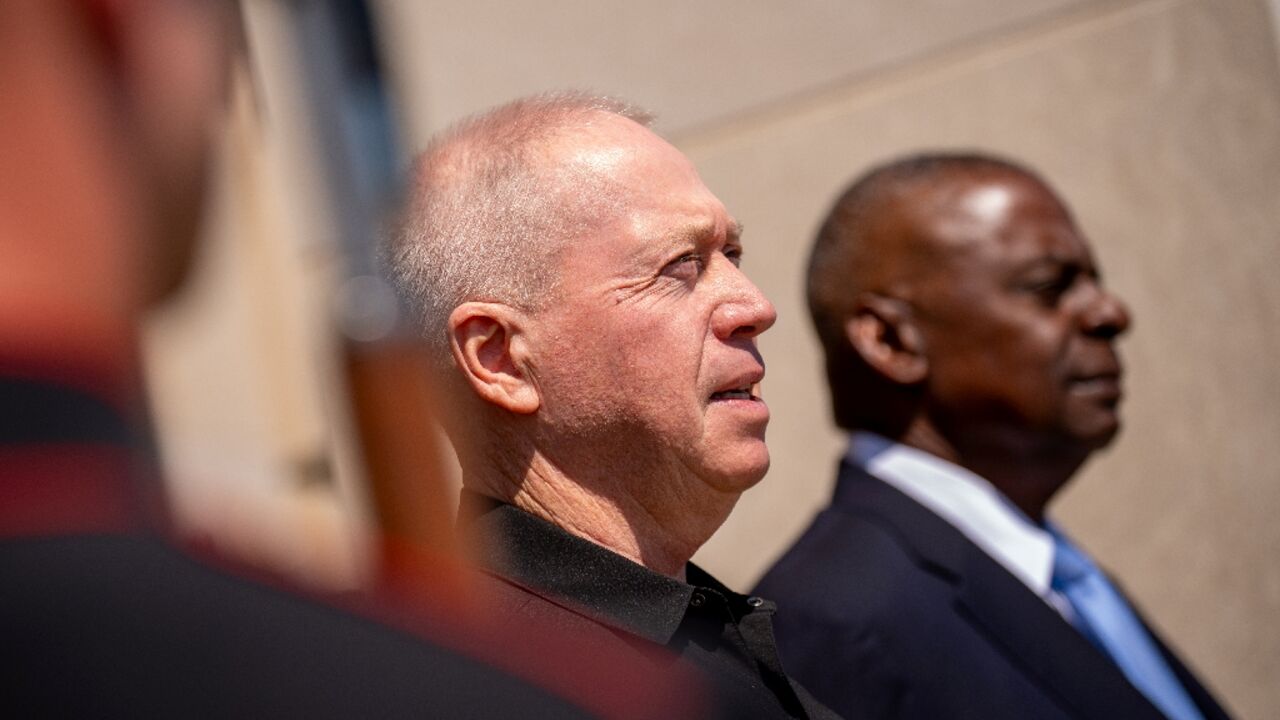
[
  {"x": 596, "y": 581},
  {"x": 965, "y": 500}
]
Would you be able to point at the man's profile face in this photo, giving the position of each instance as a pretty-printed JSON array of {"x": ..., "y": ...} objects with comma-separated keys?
[
  {"x": 1017, "y": 326},
  {"x": 647, "y": 362}
]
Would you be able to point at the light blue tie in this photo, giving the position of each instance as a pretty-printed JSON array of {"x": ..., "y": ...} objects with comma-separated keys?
[{"x": 1106, "y": 619}]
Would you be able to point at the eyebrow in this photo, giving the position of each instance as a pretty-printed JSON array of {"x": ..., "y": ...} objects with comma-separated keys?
[
  {"x": 696, "y": 232},
  {"x": 1085, "y": 267}
]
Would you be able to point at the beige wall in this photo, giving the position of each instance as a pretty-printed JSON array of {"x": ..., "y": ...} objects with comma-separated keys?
[
  {"x": 241, "y": 368},
  {"x": 1159, "y": 120}
]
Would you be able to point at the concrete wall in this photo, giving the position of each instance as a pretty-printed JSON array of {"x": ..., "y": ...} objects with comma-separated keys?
[{"x": 1159, "y": 121}]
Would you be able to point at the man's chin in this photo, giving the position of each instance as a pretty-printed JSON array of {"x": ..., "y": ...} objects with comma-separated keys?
[
  {"x": 739, "y": 477},
  {"x": 1100, "y": 433}
]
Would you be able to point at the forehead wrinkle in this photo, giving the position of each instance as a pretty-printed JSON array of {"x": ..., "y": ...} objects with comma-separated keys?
[
  {"x": 683, "y": 232},
  {"x": 705, "y": 229}
]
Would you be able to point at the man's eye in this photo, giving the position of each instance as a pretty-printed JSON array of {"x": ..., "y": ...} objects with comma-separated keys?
[
  {"x": 1050, "y": 291},
  {"x": 685, "y": 267},
  {"x": 735, "y": 255}
]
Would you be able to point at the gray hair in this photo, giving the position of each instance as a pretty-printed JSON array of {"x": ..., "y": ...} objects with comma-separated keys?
[{"x": 489, "y": 209}]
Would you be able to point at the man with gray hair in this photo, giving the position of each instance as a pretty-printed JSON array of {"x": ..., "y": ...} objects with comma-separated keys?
[{"x": 596, "y": 343}]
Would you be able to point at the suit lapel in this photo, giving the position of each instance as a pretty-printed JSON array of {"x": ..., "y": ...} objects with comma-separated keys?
[
  {"x": 1030, "y": 633},
  {"x": 1046, "y": 645}
]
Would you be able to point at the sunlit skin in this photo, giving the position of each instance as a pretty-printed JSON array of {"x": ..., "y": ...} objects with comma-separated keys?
[
  {"x": 1015, "y": 331},
  {"x": 647, "y": 424}
]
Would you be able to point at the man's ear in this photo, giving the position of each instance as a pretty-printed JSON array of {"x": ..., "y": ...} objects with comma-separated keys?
[
  {"x": 488, "y": 345},
  {"x": 883, "y": 332}
]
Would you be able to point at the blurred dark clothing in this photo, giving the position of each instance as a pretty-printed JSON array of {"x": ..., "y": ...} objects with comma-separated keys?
[
  {"x": 102, "y": 617},
  {"x": 543, "y": 575},
  {"x": 884, "y": 602}
]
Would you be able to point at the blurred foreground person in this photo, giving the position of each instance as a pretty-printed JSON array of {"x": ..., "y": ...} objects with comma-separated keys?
[
  {"x": 597, "y": 343},
  {"x": 106, "y": 110},
  {"x": 969, "y": 348}
]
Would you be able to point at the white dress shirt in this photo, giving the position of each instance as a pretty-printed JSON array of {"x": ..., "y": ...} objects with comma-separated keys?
[{"x": 969, "y": 503}]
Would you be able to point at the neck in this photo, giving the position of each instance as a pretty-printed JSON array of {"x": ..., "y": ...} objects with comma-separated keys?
[
  {"x": 661, "y": 533},
  {"x": 1028, "y": 475}
]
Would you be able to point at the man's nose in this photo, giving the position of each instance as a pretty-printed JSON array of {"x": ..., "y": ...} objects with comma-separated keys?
[
  {"x": 744, "y": 312},
  {"x": 1107, "y": 316}
]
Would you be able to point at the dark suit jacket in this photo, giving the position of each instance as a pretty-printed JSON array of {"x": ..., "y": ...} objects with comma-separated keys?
[{"x": 888, "y": 611}]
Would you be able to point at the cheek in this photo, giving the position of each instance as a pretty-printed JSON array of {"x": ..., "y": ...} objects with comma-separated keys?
[
  {"x": 660, "y": 367},
  {"x": 1018, "y": 362},
  {"x": 632, "y": 367},
  {"x": 1035, "y": 375},
  {"x": 660, "y": 344}
]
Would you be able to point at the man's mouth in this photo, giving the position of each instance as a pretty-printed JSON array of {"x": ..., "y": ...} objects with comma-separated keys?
[
  {"x": 743, "y": 393},
  {"x": 1107, "y": 385},
  {"x": 746, "y": 386},
  {"x": 741, "y": 385}
]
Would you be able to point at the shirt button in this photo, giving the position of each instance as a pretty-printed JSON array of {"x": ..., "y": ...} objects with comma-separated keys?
[
  {"x": 698, "y": 600},
  {"x": 754, "y": 601}
]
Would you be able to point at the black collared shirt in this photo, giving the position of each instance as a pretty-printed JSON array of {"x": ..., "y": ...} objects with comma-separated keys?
[{"x": 728, "y": 636}]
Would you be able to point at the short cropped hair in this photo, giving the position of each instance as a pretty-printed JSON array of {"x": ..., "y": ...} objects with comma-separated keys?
[
  {"x": 489, "y": 209},
  {"x": 842, "y": 249}
]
